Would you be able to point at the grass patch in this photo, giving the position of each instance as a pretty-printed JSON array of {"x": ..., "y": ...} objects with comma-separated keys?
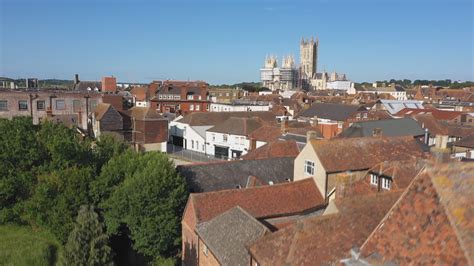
[{"x": 21, "y": 245}]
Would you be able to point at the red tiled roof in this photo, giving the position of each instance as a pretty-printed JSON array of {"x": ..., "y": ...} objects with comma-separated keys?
[
  {"x": 324, "y": 239},
  {"x": 260, "y": 202},
  {"x": 343, "y": 154},
  {"x": 431, "y": 123},
  {"x": 274, "y": 149},
  {"x": 266, "y": 133},
  {"x": 431, "y": 224}
]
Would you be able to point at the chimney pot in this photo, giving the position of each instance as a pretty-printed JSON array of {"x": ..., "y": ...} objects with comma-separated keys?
[{"x": 311, "y": 135}]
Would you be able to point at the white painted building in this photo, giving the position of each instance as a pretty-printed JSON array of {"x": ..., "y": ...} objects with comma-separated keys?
[
  {"x": 225, "y": 107},
  {"x": 344, "y": 85}
]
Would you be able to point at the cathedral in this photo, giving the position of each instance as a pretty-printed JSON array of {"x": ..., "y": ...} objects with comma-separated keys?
[{"x": 289, "y": 77}]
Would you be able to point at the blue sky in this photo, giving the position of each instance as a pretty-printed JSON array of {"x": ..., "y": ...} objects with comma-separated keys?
[{"x": 226, "y": 41}]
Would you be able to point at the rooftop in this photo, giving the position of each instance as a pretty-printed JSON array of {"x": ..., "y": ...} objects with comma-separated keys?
[
  {"x": 205, "y": 177},
  {"x": 343, "y": 154},
  {"x": 260, "y": 202},
  {"x": 227, "y": 235}
]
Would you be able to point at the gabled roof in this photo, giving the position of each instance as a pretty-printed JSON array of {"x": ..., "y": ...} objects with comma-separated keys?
[
  {"x": 467, "y": 142},
  {"x": 345, "y": 154},
  {"x": 100, "y": 110},
  {"x": 205, "y": 177},
  {"x": 228, "y": 234},
  {"x": 394, "y": 106},
  {"x": 332, "y": 111},
  {"x": 144, "y": 113},
  {"x": 322, "y": 240},
  {"x": 241, "y": 126},
  {"x": 389, "y": 127},
  {"x": 260, "y": 202},
  {"x": 432, "y": 124},
  {"x": 274, "y": 149},
  {"x": 266, "y": 133},
  {"x": 432, "y": 221},
  {"x": 214, "y": 118}
]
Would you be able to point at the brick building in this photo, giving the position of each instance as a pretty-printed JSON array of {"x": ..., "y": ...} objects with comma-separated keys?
[
  {"x": 181, "y": 97},
  {"x": 71, "y": 108}
]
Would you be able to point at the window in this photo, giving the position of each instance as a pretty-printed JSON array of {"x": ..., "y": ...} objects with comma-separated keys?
[
  {"x": 199, "y": 97},
  {"x": 60, "y": 105},
  {"x": 190, "y": 97},
  {"x": 308, "y": 167},
  {"x": 192, "y": 144},
  {"x": 191, "y": 107},
  {"x": 213, "y": 137},
  {"x": 225, "y": 138},
  {"x": 40, "y": 105},
  {"x": 386, "y": 183},
  {"x": 374, "y": 180},
  {"x": 3, "y": 105},
  {"x": 22, "y": 105},
  {"x": 339, "y": 125},
  {"x": 92, "y": 105},
  {"x": 365, "y": 115},
  {"x": 358, "y": 116},
  {"x": 236, "y": 140},
  {"x": 197, "y": 107},
  {"x": 76, "y": 105}
]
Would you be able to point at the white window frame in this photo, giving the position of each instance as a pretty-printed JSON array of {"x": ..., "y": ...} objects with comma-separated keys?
[
  {"x": 213, "y": 137},
  {"x": 225, "y": 138},
  {"x": 308, "y": 165},
  {"x": 386, "y": 183},
  {"x": 191, "y": 107},
  {"x": 374, "y": 179},
  {"x": 198, "y": 107}
]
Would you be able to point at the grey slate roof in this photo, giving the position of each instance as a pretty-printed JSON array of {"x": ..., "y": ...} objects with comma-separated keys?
[
  {"x": 228, "y": 234},
  {"x": 216, "y": 176},
  {"x": 389, "y": 127},
  {"x": 332, "y": 111}
]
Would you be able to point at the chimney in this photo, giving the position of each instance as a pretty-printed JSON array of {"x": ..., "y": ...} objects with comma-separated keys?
[
  {"x": 76, "y": 79},
  {"x": 426, "y": 137},
  {"x": 284, "y": 125},
  {"x": 109, "y": 84},
  {"x": 441, "y": 151},
  {"x": 253, "y": 144},
  {"x": 311, "y": 135},
  {"x": 377, "y": 132},
  {"x": 314, "y": 121}
]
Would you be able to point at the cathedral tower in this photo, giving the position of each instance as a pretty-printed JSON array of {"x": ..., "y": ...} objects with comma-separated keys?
[{"x": 309, "y": 57}]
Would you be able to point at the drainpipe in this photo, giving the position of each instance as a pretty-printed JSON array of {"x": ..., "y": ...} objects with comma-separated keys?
[
  {"x": 426, "y": 136},
  {"x": 87, "y": 113}
]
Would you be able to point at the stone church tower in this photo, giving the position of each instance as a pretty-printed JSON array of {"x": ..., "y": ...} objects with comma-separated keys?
[{"x": 309, "y": 57}]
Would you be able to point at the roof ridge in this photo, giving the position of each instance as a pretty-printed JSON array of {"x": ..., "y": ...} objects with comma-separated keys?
[{"x": 202, "y": 194}]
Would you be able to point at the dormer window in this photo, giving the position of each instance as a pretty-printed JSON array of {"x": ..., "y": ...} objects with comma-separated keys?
[
  {"x": 374, "y": 180},
  {"x": 386, "y": 183}
]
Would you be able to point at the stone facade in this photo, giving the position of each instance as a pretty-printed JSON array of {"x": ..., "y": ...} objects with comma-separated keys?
[{"x": 309, "y": 57}]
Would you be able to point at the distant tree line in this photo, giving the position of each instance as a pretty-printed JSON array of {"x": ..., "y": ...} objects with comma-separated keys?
[
  {"x": 408, "y": 83},
  {"x": 92, "y": 195}
]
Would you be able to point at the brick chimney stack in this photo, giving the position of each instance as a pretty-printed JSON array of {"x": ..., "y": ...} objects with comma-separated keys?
[{"x": 109, "y": 84}]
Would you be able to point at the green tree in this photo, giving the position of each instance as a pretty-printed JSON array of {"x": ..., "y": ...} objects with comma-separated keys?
[
  {"x": 87, "y": 243},
  {"x": 20, "y": 157},
  {"x": 113, "y": 173},
  {"x": 149, "y": 203},
  {"x": 64, "y": 148},
  {"x": 57, "y": 198},
  {"x": 105, "y": 148}
]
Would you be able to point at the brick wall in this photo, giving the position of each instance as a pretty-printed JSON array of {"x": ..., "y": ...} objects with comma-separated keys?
[
  {"x": 59, "y": 103},
  {"x": 205, "y": 256}
]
